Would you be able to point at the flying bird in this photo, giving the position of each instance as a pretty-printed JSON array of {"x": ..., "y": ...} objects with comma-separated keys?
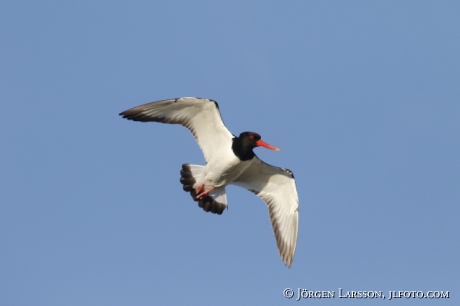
[{"x": 229, "y": 160}]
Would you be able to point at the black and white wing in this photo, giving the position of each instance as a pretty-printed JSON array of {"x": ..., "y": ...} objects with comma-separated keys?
[
  {"x": 200, "y": 116},
  {"x": 276, "y": 186}
]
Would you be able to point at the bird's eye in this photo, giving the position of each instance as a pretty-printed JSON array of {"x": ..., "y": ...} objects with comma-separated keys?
[{"x": 251, "y": 137}]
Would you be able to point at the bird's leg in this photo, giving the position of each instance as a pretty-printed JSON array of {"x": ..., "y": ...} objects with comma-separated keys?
[
  {"x": 204, "y": 193},
  {"x": 199, "y": 189}
]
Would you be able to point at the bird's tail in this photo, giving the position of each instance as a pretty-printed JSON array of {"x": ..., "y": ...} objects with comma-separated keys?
[{"x": 215, "y": 201}]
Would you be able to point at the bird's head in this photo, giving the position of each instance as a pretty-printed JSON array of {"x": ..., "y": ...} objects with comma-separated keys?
[{"x": 252, "y": 140}]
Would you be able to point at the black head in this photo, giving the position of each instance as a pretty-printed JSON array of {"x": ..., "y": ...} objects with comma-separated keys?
[{"x": 242, "y": 146}]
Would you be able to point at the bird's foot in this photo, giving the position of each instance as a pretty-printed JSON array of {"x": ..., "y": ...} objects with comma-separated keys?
[
  {"x": 201, "y": 193},
  {"x": 199, "y": 189}
]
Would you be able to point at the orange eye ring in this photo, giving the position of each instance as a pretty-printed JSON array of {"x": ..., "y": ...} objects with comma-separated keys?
[{"x": 251, "y": 137}]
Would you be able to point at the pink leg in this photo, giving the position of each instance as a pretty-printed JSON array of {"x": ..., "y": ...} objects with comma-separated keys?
[
  {"x": 204, "y": 193},
  {"x": 199, "y": 189}
]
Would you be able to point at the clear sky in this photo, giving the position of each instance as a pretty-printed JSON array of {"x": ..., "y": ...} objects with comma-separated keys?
[{"x": 362, "y": 97}]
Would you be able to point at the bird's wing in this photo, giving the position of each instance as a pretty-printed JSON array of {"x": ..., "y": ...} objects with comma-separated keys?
[
  {"x": 200, "y": 116},
  {"x": 276, "y": 186}
]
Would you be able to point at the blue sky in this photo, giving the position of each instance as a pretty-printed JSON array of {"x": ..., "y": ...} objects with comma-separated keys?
[{"x": 362, "y": 97}]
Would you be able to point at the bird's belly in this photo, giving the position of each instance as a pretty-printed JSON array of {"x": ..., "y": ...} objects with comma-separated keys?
[{"x": 219, "y": 173}]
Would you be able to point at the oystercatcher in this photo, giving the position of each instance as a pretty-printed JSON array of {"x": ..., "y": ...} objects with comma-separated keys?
[{"x": 229, "y": 160}]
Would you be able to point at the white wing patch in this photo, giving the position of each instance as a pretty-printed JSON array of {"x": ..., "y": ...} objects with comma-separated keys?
[
  {"x": 276, "y": 186},
  {"x": 200, "y": 116}
]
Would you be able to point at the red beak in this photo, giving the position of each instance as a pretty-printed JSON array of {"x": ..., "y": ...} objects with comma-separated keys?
[{"x": 260, "y": 143}]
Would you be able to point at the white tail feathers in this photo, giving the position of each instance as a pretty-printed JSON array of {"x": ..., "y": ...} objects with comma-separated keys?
[
  {"x": 219, "y": 195},
  {"x": 215, "y": 201},
  {"x": 197, "y": 173}
]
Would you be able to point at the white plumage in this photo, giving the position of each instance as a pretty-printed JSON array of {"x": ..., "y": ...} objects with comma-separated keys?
[{"x": 229, "y": 160}]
